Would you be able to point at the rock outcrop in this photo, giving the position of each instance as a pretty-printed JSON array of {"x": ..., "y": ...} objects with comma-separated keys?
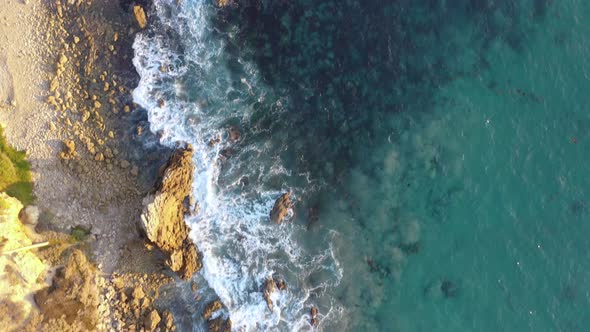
[
  {"x": 267, "y": 290},
  {"x": 163, "y": 214},
  {"x": 282, "y": 208}
]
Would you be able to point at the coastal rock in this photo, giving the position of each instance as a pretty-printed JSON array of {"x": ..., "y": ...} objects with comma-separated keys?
[
  {"x": 313, "y": 312},
  {"x": 140, "y": 16},
  {"x": 211, "y": 308},
  {"x": 162, "y": 218},
  {"x": 152, "y": 320},
  {"x": 219, "y": 325},
  {"x": 281, "y": 209},
  {"x": 267, "y": 290}
]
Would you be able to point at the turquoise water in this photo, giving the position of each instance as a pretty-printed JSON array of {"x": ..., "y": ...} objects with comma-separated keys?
[{"x": 442, "y": 148}]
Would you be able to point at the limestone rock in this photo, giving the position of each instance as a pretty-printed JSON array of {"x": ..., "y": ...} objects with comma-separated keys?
[
  {"x": 140, "y": 16},
  {"x": 281, "y": 209},
  {"x": 163, "y": 214},
  {"x": 313, "y": 312}
]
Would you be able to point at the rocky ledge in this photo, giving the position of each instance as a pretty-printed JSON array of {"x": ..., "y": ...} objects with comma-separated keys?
[{"x": 162, "y": 218}]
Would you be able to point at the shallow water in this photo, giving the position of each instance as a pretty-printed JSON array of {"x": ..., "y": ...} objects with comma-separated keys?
[{"x": 442, "y": 147}]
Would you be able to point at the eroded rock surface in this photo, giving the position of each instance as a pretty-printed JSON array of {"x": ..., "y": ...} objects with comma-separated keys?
[
  {"x": 73, "y": 295},
  {"x": 164, "y": 210},
  {"x": 281, "y": 209}
]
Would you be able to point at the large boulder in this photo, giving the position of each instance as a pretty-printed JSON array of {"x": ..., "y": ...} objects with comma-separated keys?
[{"x": 163, "y": 214}]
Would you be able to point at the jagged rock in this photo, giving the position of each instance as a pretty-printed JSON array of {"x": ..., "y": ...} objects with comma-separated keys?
[
  {"x": 267, "y": 290},
  {"x": 151, "y": 321},
  {"x": 219, "y": 325},
  {"x": 140, "y": 16},
  {"x": 29, "y": 215},
  {"x": 168, "y": 320},
  {"x": 313, "y": 312},
  {"x": 73, "y": 294},
  {"x": 281, "y": 209},
  {"x": 162, "y": 218},
  {"x": 211, "y": 308}
]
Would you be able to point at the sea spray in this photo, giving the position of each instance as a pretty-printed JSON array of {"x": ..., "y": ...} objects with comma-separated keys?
[{"x": 192, "y": 96}]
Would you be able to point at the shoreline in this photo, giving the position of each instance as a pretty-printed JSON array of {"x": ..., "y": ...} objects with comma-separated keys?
[{"x": 93, "y": 159}]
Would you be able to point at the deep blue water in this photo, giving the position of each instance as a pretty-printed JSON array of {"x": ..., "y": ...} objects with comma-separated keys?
[{"x": 436, "y": 152}]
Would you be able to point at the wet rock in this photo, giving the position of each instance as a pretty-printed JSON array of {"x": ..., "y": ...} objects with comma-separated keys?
[
  {"x": 281, "y": 208},
  {"x": 211, "y": 308},
  {"x": 168, "y": 320},
  {"x": 151, "y": 321},
  {"x": 140, "y": 16},
  {"x": 219, "y": 325},
  {"x": 162, "y": 218},
  {"x": 234, "y": 134},
  {"x": 267, "y": 290},
  {"x": 313, "y": 312},
  {"x": 281, "y": 284}
]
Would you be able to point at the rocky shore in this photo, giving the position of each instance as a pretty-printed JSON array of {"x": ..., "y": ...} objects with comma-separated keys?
[{"x": 109, "y": 202}]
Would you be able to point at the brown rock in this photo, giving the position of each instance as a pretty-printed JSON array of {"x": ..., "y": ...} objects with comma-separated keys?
[
  {"x": 267, "y": 290},
  {"x": 140, "y": 16},
  {"x": 219, "y": 325},
  {"x": 313, "y": 312},
  {"x": 162, "y": 218},
  {"x": 138, "y": 293},
  {"x": 168, "y": 320},
  {"x": 211, "y": 308},
  {"x": 234, "y": 134},
  {"x": 151, "y": 321},
  {"x": 281, "y": 208},
  {"x": 69, "y": 146}
]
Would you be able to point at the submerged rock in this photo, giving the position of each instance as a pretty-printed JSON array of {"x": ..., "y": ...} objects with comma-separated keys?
[
  {"x": 281, "y": 209},
  {"x": 163, "y": 214}
]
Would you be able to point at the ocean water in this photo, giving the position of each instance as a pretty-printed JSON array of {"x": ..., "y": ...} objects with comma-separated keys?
[{"x": 437, "y": 153}]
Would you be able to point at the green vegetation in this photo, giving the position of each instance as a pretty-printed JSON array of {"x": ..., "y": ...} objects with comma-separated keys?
[{"x": 15, "y": 172}]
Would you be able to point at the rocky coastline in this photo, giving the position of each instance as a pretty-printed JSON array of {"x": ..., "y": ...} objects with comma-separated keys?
[{"x": 109, "y": 201}]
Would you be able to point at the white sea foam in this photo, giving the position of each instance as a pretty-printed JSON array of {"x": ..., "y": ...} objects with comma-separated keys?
[{"x": 240, "y": 247}]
